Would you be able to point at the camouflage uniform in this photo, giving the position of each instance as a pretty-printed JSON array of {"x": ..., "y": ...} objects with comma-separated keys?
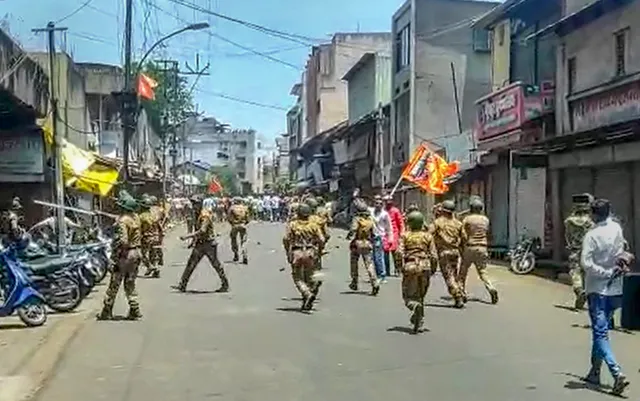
[
  {"x": 475, "y": 242},
  {"x": 361, "y": 246},
  {"x": 204, "y": 245},
  {"x": 155, "y": 238},
  {"x": 127, "y": 241},
  {"x": 447, "y": 232},
  {"x": 293, "y": 210},
  {"x": 238, "y": 218},
  {"x": 301, "y": 243},
  {"x": 575, "y": 228},
  {"x": 146, "y": 227},
  {"x": 419, "y": 258}
]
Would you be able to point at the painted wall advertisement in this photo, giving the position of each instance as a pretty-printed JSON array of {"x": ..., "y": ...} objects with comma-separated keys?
[
  {"x": 612, "y": 107},
  {"x": 22, "y": 157}
]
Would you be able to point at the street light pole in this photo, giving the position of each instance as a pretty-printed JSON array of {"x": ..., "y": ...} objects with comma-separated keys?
[{"x": 129, "y": 100}]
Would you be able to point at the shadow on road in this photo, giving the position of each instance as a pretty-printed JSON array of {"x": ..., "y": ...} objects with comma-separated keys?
[
  {"x": 405, "y": 330},
  {"x": 566, "y": 307},
  {"x": 577, "y": 383},
  {"x": 12, "y": 326},
  {"x": 437, "y": 305},
  {"x": 616, "y": 329},
  {"x": 293, "y": 310}
]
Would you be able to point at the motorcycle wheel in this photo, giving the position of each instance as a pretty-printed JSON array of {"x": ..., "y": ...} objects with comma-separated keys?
[
  {"x": 33, "y": 314},
  {"x": 67, "y": 302},
  {"x": 524, "y": 265}
]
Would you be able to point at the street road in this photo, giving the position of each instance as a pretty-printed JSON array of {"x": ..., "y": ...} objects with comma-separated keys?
[{"x": 253, "y": 344}]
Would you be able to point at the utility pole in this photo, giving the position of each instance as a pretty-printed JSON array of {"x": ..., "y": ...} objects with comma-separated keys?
[
  {"x": 129, "y": 101},
  {"x": 380, "y": 119},
  {"x": 58, "y": 181}
]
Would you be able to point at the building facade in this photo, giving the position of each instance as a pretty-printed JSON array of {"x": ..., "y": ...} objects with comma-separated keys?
[
  {"x": 206, "y": 140},
  {"x": 517, "y": 111},
  {"x": 435, "y": 45}
]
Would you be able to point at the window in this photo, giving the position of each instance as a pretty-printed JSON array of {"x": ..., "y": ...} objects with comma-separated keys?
[
  {"x": 620, "y": 39},
  {"x": 403, "y": 48},
  {"x": 481, "y": 42},
  {"x": 571, "y": 75}
]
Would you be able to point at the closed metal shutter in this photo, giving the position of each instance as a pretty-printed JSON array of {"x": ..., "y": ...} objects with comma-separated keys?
[
  {"x": 528, "y": 203},
  {"x": 499, "y": 212},
  {"x": 613, "y": 183}
]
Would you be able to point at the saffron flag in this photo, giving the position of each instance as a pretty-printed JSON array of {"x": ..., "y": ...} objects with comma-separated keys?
[
  {"x": 146, "y": 86},
  {"x": 214, "y": 185},
  {"x": 429, "y": 171}
]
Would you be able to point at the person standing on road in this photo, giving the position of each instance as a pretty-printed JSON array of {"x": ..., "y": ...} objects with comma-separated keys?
[
  {"x": 390, "y": 247},
  {"x": 605, "y": 261},
  {"x": 156, "y": 254},
  {"x": 475, "y": 248},
  {"x": 302, "y": 241},
  {"x": 204, "y": 244},
  {"x": 447, "y": 234},
  {"x": 147, "y": 231},
  {"x": 576, "y": 227},
  {"x": 127, "y": 241},
  {"x": 361, "y": 246},
  {"x": 382, "y": 231},
  {"x": 238, "y": 219},
  {"x": 418, "y": 259}
]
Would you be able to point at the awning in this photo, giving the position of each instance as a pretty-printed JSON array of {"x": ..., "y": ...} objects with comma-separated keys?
[
  {"x": 81, "y": 169},
  {"x": 580, "y": 18}
]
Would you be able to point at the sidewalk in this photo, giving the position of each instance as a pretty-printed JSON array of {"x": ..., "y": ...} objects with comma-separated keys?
[{"x": 29, "y": 355}]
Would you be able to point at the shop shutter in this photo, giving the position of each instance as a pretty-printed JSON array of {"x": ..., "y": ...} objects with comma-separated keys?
[
  {"x": 529, "y": 208},
  {"x": 574, "y": 181},
  {"x": 499, "y": 205},
  {"x": 614, "y": 183}
]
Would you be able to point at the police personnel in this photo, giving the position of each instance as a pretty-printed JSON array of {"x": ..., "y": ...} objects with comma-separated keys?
[
  {"x": 361, "y": 246},
  {"x": 204, "y": 245},
  {"x": 419, "y": 260},
  {"x": 127, "y": 241},
  {"x": 575, "y": 228},
  {"x": 475, "y": 248},
  {"x": 238, "y": 218},
  {"x": 321, "y": 221},
  {"x": 447, "y": 233},
  {"x": 301, "y": 242}
]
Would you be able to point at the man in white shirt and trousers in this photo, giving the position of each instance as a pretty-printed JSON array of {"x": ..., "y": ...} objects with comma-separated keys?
[
  {"x": 605, "y": 261},
  {"x": 381, "y": 229}
]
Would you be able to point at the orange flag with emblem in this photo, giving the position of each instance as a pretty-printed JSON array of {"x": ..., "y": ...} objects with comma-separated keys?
[{"x": 146, "y": 86}]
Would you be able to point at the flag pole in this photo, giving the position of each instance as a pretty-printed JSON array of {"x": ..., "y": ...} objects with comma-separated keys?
[{"x": 395, "y": 187}]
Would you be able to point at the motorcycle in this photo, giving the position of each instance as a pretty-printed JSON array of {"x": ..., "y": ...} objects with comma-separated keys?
[
  {"x": 19, "y": 294},
  {"x": 523, "y": 256}
]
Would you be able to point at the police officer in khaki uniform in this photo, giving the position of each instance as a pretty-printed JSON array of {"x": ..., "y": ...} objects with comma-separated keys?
[
  {"x": 301, "y": 242},
  {"x": 475, "y": 248},
  {"x": 127, "y": 241},
  {"x": 156, "y": 237},
  {"x": 321, "y": 221},
  {"x": 361, "y": 246},
  {"x": 238, "y": 218},
  {"x": 204, "y": 244},
  {"x": 419, "y": 260},
  {"x": 146, "y": 227},
  {"x": 448, "y": 233},
  {"x": 575, "y": 229}
]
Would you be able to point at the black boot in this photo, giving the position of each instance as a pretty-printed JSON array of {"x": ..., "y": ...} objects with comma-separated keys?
[
  {"x": 134, "y": 313},
  {"x": 224, "y": 287},
  {"x": 354, "y": 285},
  {"x": 106, "y": 313}
]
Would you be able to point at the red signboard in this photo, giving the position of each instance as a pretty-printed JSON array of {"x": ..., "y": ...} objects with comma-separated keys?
[
  {"x": 613, "y": 106},
  {"x": 500, "y": 112}
]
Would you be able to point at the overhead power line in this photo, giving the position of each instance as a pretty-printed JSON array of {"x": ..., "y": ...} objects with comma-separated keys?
[
  {"x": 239, "y": 100},
  {"x": 74, "y": 12}
]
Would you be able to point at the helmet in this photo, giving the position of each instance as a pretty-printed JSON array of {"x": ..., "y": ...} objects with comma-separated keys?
[
  {"x": 415, "y": 220},
  {"x": 476, "y": 204},
  {"x": 153, "y": 200},
  {"x": 126, "y": 201},
  {"x": 412, "y": 208},
  {"x": 237, "y": 199},
  {"x": 582, "y": 202},
  {"x": 196, "y": 200},
  {"x": 145, "y": 201},
  {"x": 361, "y": 206},
  {"x": 449, "y": 205},
  {"x": 303, "y": 210},
  {"x": 320, "y": 200},
  {"x": 312, "y": 203}
]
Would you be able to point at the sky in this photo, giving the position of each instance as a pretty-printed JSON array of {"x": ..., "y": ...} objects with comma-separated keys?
[{"x": 95, "y": 34}]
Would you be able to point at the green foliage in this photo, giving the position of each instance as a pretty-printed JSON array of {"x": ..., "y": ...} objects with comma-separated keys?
[
  {"x": 227, "y": 178},
  {"x": 283, "y": 186},
  {"x": 176, "y": 102}
]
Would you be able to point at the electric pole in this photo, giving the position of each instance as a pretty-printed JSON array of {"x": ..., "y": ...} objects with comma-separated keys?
[
  {"x": 58, "y": 181},
  {"x": 129, "y": 100}
]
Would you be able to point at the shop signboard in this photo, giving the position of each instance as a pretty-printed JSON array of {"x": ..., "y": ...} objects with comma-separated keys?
[
  {"x": 499, "y": 112},
  {"x": 614, "y": 106},
  {"x": 22, "y": 157}
]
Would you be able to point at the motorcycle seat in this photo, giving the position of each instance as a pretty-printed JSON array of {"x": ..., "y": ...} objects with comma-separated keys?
[{"x": 49, "y": 264}]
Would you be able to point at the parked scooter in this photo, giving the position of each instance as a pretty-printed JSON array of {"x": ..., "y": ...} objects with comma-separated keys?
[
  {"x": 523, "y": 256},
  {"x": 19, "y": 294}
]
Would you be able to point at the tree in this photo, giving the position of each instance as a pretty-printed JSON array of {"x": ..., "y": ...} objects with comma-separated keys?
[
  {"x": 176, "y": 102},
  {"x": 227, "y": 178}
]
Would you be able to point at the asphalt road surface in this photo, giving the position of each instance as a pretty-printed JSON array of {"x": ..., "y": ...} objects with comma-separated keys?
[{"x": 253, "y": 344}]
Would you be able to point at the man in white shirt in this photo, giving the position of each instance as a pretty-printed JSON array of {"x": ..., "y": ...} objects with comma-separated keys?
[
  {"x": 382, "y": 229},
  {"x": 604, "y": 260}
]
